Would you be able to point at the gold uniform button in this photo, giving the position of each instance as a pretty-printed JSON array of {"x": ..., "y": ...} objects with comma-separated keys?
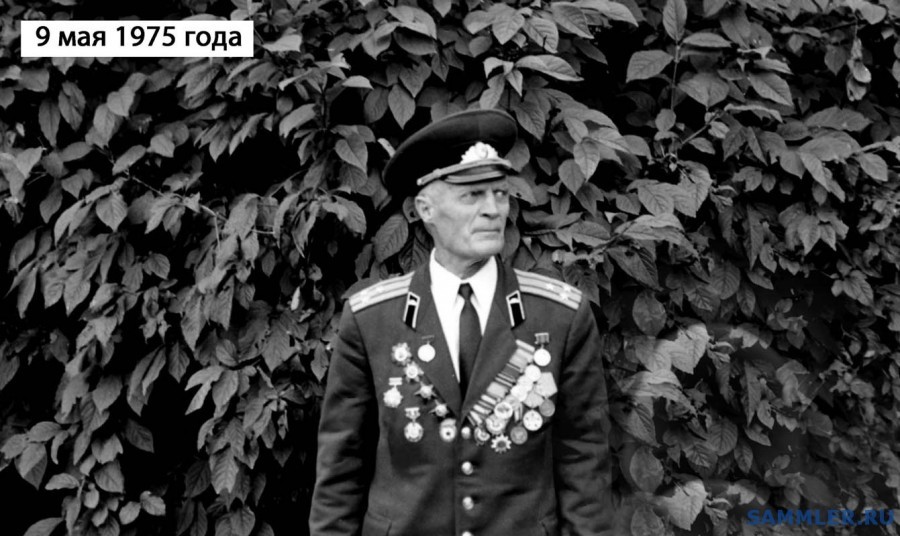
[
  {"x": 466, "y": 434},
  {"x": 466, "y": 533},
  {"x": 468, "y": 503},
  {"x": 467, "y": 468}
]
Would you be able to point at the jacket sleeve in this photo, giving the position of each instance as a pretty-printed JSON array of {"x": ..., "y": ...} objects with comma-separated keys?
[
  {"x": 581, "y": 445},
  {"x": 347, "y": 438}
]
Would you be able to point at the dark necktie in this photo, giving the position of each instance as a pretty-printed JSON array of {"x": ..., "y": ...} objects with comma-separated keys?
[{"x": 469, "y": 337}]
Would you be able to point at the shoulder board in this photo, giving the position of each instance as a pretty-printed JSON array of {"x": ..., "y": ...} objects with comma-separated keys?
[
  {"x": 379, "y": 292},
  {"x": 547, "y": 287}
]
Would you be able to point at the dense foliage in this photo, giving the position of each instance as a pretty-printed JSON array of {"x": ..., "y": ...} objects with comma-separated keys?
[{"x": 720, "y": 177}]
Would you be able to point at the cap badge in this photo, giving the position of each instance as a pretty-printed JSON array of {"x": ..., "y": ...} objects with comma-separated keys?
[{"x": 479, "y": 151}]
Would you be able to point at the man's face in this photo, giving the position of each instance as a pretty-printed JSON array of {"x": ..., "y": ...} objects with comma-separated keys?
[{"x": 466, "y": 220}]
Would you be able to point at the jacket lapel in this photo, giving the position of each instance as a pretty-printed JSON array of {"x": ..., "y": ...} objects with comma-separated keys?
[
  {"x": 440, "y": 369},
  {"x": 498, "y": 343}
]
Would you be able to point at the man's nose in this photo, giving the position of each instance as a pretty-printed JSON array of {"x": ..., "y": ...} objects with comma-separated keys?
[{"x": 490, "y": 207}]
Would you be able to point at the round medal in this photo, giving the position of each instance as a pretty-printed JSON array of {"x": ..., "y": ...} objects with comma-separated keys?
[
  {"x": 520, "y": 392},
  {"x": 532, "y": 373},
  {"x": 518, "y": 435},
  {"x": 392, "y": 397},
  {"x": 532, "y": 420},
  {"x": 547, "y": 408},
  {"x": 448, "y": 430},
  {"x": 495, "y": 424},
  {"x": 481, "y": 435},
  {"x": 413, "y": 432},
  {"x": 426, "y": 352},
  {"x": 542, "y": 357},
  {"x": 534, "y": 400},
  {"x": 503, "y": 410}
]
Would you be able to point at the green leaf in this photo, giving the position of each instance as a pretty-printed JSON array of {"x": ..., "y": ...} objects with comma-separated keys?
[
  {"x": 838, "y": 119},
  {"x": 638, "y": 421},
  {"x": 415, "y": 19},
  {"x": 645, "y": 470},
  {"x": 674, "y": 18},
  {"x": 139, "y": 436},
  {"x": 638, "y": 264},
  {"x": 828, "y": 148},
  {"x": 129, "y": 512},
  {"x": 62, "y": 481},
  {"x": 647, "y": 64},
  {"x": 657, "y": 197},
  {"x": 401, "y": 104},
  {"x": 107, "y": 391},
  {"x": 109, "y": 478},
  {"x": 478, "y": 20},
  {"x": 587, "y": 155},
  {"x": 723, "y": 436},
  {"x": 120, "y": 101},
  {"x": 224, "y": 471},
  {"x": 158, "y": 265},
  {"x": 353, "y": 150},
  {"x": 685, "y": 503},
  {"x": 707, "y": 40},
  {"x": 725, "y": 279},
  {"x": 112, "y": 210},
  {"x": 391, "y": 237},
  {"x": 152, "y": 504},
  {"x": 296, "y": 119},
  {"x": 649, "y": 313},
  {"x": 571, "y": 175},
  {"x": 611, "y": 10},
  {"x": 48, "y": 118},
  {"x": 286, "y": 43},
  {"x": 44, "y": 527},
  {"x": 550, "y": 65},
  {"x": 571, "y": 18},
  {"x": 105, "y": 123},
  {"x": 357, "y": 81},
  {"x": 771, "y": 86},
  {"x": 543, "y": 32},
  {"x": 507, "y": 25},
  {"x": 874, "y": 166}
]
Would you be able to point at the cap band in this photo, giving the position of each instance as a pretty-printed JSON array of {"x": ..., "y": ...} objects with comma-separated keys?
[{"x": 458, "y": 168}]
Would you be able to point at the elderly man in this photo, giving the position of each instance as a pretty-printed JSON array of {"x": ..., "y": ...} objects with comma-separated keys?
[{"x": 466, "y": 398}]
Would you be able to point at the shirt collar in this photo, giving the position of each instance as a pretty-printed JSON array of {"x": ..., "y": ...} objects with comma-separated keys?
[{"x": 445, "y": 284}]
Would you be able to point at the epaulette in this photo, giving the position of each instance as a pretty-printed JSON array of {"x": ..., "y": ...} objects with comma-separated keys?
[
  {"x": 379, "y": 292},
  {"x": 547, "y": 287}
]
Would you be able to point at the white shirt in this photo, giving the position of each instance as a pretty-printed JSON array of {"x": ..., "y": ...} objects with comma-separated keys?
[{"x": 449, "y": 304}]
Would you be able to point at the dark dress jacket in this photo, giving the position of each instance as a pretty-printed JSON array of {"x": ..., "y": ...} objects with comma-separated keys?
[{"x": 373, "y": 480}]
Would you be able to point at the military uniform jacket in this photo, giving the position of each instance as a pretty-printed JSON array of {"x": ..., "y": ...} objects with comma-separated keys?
[{"x": 450, "y": 479}]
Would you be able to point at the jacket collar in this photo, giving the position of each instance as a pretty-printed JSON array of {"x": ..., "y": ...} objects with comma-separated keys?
[{"x": 497, "y": 344}]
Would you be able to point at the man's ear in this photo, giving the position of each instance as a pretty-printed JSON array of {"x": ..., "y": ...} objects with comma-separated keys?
[{"x": 424, "y": 207}]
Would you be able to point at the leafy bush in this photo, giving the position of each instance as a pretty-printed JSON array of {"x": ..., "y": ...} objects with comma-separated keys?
[{"x": 720, "y": 177}]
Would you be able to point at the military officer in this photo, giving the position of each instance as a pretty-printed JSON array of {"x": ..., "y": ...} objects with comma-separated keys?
[{"x": 466, "y": 398}]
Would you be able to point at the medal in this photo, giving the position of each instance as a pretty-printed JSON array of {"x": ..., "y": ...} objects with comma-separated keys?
[
  {"x": 542, "y": 357},
  {"x": 503, "y": 410},
  {"x": 481, "y": 436},
  {"x": 392, "y": 396},
  {"x": 546, "y": 386},
  {"x": 440, "y": 409},
  {"x": 413, "y": 430},
  {"x": 532, "y": 420},
  {"x": 500, "y": 444},
  {"x": 547, "y": 408},
  {"x": 400, "y": 353},
  {"x": 534, "y": 400},
  {"x": 520, "y": 392},
  {"x": 532, "y": 373},
  {"x": 426, "y": 391},
  {"x": 495, "y": 424},
  {"x": 426, "y": 352},
  {"x": 518, "y": 435},
  {"x": 448, "y": 430},
  {"x": 412, "y": 371}
]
